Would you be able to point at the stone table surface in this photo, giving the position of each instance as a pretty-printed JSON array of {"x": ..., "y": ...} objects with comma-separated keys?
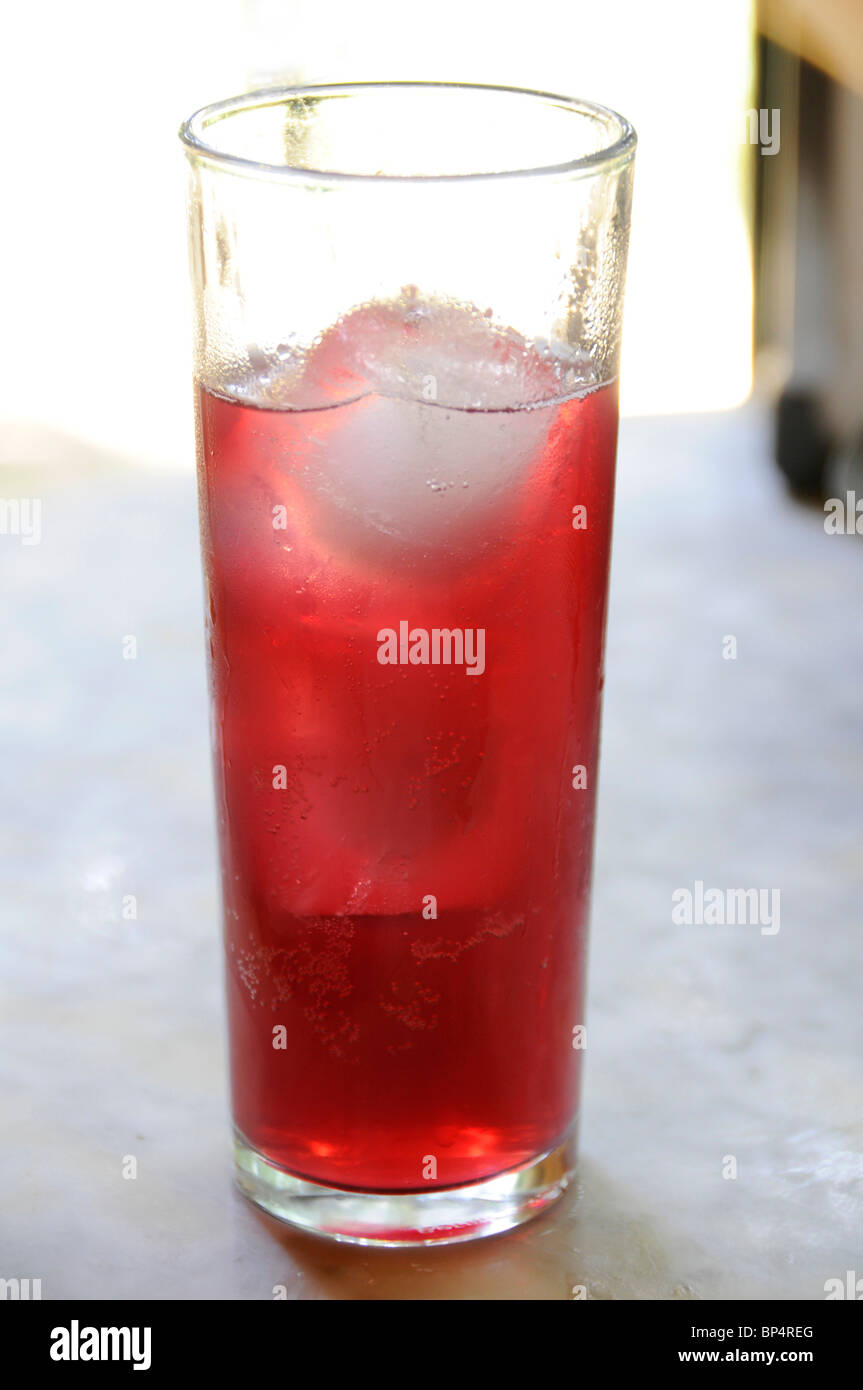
[{"x": 706, "y": 1043}]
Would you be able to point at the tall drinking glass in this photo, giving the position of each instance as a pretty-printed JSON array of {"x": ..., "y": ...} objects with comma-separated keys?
[{"x": 408, "y": 301}]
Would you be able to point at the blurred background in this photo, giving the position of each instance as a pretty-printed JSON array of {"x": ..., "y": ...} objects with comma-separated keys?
[
  {"x": 742, "y": 365},
  {"x": 745, "y": 232}
]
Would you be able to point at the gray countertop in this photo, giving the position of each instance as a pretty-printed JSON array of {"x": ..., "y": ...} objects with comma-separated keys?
[{"x": 705, "y": 1042}]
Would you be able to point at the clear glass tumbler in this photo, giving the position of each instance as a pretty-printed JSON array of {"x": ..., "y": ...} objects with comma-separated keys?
[{"x": 408, "y": 301}]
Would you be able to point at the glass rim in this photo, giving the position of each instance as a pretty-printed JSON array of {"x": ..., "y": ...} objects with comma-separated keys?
[{"x": 192, "y": 133}]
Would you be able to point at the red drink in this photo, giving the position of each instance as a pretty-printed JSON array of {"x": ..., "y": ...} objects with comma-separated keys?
[{"x": 406, "y": 857}]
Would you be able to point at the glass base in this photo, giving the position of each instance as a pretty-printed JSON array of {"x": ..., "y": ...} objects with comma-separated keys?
[{"x": 438, "y": 1217}]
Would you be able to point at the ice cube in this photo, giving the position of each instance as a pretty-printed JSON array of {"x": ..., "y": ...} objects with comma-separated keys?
[
  {"x": 433, "y": 351},
  {"x": 440, "y": 418}
]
